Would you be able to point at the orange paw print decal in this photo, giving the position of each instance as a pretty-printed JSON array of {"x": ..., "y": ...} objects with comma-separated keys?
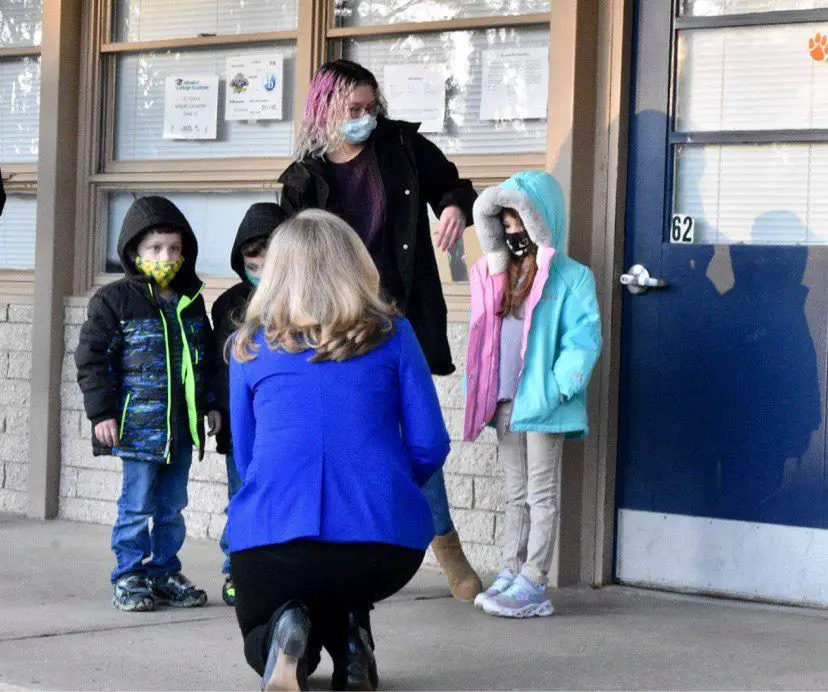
[{"x": 818, "y": 46}]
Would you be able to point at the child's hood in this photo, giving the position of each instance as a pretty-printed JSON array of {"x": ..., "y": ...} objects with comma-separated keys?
[
  {"x": 259, "y": 222},
  {"x": 146, "y": 214},
  {"x": 538, "y": 198}
]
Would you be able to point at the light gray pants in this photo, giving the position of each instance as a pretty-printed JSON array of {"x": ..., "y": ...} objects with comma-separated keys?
[{"x": 531, "y": 462}]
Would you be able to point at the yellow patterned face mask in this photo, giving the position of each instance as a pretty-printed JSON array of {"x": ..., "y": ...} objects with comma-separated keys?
[{"x": 162, "y": 271}]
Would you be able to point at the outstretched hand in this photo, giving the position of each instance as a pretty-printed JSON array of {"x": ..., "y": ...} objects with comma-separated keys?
[{"x": 450, "y": 228}]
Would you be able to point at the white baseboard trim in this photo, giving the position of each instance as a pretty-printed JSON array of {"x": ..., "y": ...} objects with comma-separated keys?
[{"x": 768, "y": 562}]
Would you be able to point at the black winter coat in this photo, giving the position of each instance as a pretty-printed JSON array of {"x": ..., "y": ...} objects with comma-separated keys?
[
  {"x": 414, "y": 172},
  {"x": 2, "y": 194},
  {"x": 123, "y": 355},
  {"x": 228, "y": 310}
]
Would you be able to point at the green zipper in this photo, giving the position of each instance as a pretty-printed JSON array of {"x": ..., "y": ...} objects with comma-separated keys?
[
  {"x": 169, "y": 379},
  {"x": 123, "y": 415},
  {"x": 187, "y": 365}
]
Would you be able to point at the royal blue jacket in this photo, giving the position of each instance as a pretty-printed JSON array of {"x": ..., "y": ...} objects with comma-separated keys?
[{"x": 335, "y": 451}]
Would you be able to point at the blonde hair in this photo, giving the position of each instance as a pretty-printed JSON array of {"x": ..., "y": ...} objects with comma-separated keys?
[{"x": 320, "y": 290}]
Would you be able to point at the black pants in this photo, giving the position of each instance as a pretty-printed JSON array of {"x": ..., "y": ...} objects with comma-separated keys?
[{"x": 331, "y": 579}]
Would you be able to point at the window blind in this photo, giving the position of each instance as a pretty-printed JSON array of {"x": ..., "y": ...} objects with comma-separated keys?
[
  {"x": 214, "y": 217},
  {"x": 139, "y": 107},
  {"x": 17, "y": 232},
  {"x": 460, "y": 53},
  {"x": 754, "y": 78},
  {"x": 732, "y": 191},
  {"x": 21, "y": 23},
  {"x": 373, "y": 12},
  {"x": 19, "y": 109},
  {"x": 149, "y": 20},
  {"x": 713, "y": 8}
]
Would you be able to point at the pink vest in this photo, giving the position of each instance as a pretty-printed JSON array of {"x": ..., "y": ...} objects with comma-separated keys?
[{"x": 483, "y": 356}]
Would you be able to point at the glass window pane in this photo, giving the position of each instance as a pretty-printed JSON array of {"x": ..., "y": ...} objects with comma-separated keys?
[
  {"x": 759, "y": 194},
  {"x": 374, "y": 12},
  {"x": 150, "y": 20},
  {"x": 21, "y": 23},
  {"x": 214, "y": 217},
  {"x": 17, "y": 232},
  {"x": 459, "y": 54},
  {"x": 139, "y": 107},
  {"x": 715, "y": 8},
  {"x": 754, "y": 78},
  {"x": 19, "y": 109}
]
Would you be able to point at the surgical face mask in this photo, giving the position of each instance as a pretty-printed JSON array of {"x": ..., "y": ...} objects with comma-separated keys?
[
  {"x": 518, "y": 243},
  {"x": 251, "y": 277},
  {"x": 163, "y": 271},
  {"x": 357, "y": 130}
]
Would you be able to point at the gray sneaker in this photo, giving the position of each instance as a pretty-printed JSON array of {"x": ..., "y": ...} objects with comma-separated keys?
[
  {"x": 523, "y": 599},
  {"x": 501, "y": 583},
  {"x": 132, "y": 594}
]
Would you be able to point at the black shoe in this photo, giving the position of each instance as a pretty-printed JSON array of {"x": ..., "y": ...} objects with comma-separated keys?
[
  {"x": 177, "y": 591},
  {"x": 133, "y": 594},
  {"x": 286, "y": 667},
  {"x": 360, "y": 671},
  {"x": 228, "y": 592}
]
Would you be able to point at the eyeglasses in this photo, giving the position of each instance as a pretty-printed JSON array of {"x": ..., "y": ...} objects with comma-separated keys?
[{"x": 358, "y": 111}]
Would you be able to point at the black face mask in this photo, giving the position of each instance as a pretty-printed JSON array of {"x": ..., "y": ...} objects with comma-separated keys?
[{"x": 518, "y": 243}]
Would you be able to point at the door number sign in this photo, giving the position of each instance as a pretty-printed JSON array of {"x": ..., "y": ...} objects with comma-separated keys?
[{"x": 682, "y": 229}]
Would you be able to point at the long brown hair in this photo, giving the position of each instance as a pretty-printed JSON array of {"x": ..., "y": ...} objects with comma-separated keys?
[
  {"x": 319, "y": 289},
  {"x": 520, "y": 275}
]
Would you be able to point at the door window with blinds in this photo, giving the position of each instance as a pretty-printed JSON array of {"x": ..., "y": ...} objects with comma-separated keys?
[
  {"x": 246, "y": 51},
  {"x": 21, "y": 28},
  {"x": 750, "y": 131}
]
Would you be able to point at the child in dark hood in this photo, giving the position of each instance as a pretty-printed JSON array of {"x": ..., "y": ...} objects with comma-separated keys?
[
  {"x": 144, "y": 361},
  {"x": 246, "y": 259}
]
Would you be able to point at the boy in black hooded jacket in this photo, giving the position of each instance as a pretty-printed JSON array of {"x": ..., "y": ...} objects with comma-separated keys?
[
  {"x": 145, "y": 363},
  {"x": 246, "y": 259}
]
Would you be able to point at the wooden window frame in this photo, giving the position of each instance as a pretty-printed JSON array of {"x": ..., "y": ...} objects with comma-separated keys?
[
  {"x": 99, "y": 173},
  {"x": 484, "y": 170},
  {"x": 18, "y": 179}
]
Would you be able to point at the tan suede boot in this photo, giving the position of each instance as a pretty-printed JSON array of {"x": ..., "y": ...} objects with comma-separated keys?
[{"x": 463, "y": 580}]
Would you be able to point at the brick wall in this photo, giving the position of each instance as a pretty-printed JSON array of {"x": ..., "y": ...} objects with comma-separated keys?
[
  {"x": 15, "y": 388},
  {"x": 90, "y": 486}
]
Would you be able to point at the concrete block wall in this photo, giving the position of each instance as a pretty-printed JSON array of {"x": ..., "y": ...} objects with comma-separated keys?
[
  {"x": 90, "y": 486},
  {"x": 15, "y": 389}
]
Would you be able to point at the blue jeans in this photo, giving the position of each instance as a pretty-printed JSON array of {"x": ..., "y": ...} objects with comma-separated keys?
[
  {"x": 435, "y": 495},
  {"x": 158, "y": 491},
  {"x": 233, "y": 485}
]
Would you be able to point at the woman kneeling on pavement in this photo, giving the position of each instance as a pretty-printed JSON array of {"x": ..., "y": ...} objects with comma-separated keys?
[{"x": 336, "y": 425}]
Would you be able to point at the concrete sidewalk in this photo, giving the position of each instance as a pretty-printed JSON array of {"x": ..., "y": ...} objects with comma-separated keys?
[{"x": 59, "y": 631}]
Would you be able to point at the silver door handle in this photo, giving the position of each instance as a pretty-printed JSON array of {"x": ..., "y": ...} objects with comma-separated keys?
[{"x": 638, "y": 280}]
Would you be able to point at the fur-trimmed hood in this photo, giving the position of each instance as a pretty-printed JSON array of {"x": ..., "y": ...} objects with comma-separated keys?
[{"x": 538, "y": 198}]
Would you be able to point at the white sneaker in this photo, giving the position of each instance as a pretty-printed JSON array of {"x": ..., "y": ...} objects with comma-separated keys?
[
  {"x": 501, "y": 583},
  {"x": 523, "y": 599}
]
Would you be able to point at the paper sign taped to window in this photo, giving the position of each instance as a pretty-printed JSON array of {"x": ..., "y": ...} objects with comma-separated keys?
[
  {"x": 515, "y": 83},
  {"x": 254, "y": 88},
  {"x": 417, "y": 93},
  {"x": 190, "y": 107}
]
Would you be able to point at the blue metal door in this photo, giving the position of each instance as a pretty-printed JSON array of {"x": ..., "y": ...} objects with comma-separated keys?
[{"x": 722, "y": 474}]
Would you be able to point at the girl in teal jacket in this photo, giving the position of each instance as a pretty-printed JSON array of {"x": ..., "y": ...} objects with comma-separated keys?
[{"x": 534, "y": 339}]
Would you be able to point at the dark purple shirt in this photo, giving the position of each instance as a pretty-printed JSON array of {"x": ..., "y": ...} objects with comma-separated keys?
[{"x": 358, "y": 196}]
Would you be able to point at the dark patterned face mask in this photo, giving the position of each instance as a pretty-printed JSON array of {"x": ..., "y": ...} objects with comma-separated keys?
[{"x": 518, "y": 243}]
